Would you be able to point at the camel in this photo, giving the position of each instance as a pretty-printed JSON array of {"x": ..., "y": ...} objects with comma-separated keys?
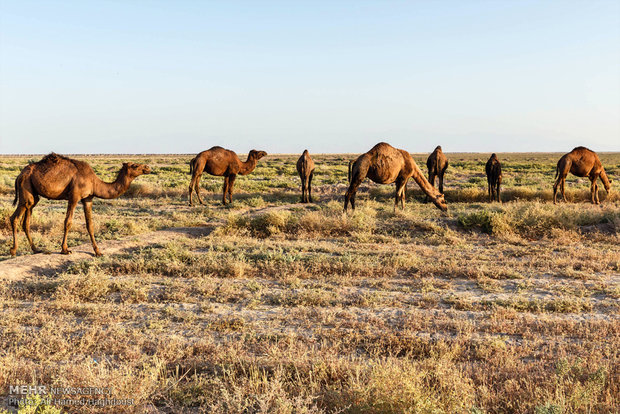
[
  {"x": 305, "y": 168},
  {"x": 493, "y": 169},
  {"x": 385, "y": 164},
  {"x": 581, "y": 162},
  {"x": 437, "y": 164},
  {"x": 60, "y": 178},
  {"x": 220, "y": 162}
]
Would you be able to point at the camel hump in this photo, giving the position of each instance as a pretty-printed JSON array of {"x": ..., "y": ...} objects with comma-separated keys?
[
  {"x": 382, "y": 147},
  {"x": 52, "y": 158},
  {"x": 581, "y": 148}
]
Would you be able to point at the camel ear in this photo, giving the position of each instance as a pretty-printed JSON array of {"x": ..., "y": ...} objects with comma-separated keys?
[{"x": 125, "y": 164}]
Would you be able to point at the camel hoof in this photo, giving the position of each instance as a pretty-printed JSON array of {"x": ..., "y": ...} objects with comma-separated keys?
[
  {"x": 67, "y": 251},
  {"x": 98, "y": 254},
  {"x": 13, "y": 252}
]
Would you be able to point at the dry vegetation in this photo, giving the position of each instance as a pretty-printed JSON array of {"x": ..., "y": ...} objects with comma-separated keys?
[{"x": 289, "y": 308}]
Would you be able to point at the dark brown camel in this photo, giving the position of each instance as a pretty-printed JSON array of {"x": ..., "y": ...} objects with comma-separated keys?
[
  {"x": 385, "y": 164},
  {"x": 60, "y": 178},
  {"x": 581, "y": 162},
  {"x": 493, "y": 169},
  {"x": 305, "y": 168},
  {"x": 221, "y": 162},
  {"x": 437, "y": 164}
]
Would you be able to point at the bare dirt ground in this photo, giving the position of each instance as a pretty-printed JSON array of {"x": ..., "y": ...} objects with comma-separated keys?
[{"x": 52, "y": 263}]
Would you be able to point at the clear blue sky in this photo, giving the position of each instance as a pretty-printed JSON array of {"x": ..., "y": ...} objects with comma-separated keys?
[{"x": 331, "y": 76}]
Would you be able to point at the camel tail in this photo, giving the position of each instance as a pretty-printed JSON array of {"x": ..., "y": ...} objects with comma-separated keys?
[
  {"x": 17, "y": 184},
  {"x": 350, "y": 167},
  {"x": 191, "y": 165},
  {"x": 557, "y": 171}
]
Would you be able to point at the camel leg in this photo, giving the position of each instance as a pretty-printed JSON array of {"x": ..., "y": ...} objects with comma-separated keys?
[
  {"x": 192, "y": 183},
  {"x": 88, "y": 216},
  {"x": 398, "y": 196},
  {"x": 225, "y": 190},
  {"x": 26, "y": 226},
  {"x": 310, "y": 186},
  {"x": 231, "y": 183},
  {"x": 68, "y": 221},
  {"x": 16, "y": 218},
  {"x": 441, "y": 182},
  {"x": 403, "y": 194},
  {"x": 596, "y": 193},
  {"x": 562, "y": 185},
  {"x": 197, "y": 187},
  {"x": 499, "y": 184},
  {"x": 490, "y": 188},
  {"x": 304, "y": 182}
]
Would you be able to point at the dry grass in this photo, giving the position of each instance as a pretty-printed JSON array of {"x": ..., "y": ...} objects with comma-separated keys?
[{"x": 289, "y": 308}]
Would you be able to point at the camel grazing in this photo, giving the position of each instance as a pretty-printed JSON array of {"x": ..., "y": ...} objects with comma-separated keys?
[
  {"x": 221, "y": 162},
  {"x": 305, "y": 168},
  {"x": 385, "y": 164},
  {"x": 493, "y": 169},
  {"x": 60, "y": 178},
  {"x": 437, "y": 164},
  {"x": 581, "y": 162}
]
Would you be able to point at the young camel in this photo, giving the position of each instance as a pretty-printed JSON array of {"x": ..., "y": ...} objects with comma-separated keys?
[
  {"x": 581, "y": 162},
  {"x": 221, "y": 162},
  {"x": 60, "y": 178},
  {"x": 385, "y": 164},
  {"x": 437, "y": 164},
  {"x": 305, "y": 168},
  {"x": 493, "y": 169}
]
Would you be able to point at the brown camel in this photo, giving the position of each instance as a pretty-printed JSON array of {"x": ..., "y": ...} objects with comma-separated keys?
[
  {"x": 437, "y": 164},
  {"x": 493, "y": 169},
  {"x": 582, "y": 162},
  {"x": 60, "y": 178},
  {"x": 385, "y": 164},
  {"x": 305, "y": 168},
  {"x": 221, "y": 162}
]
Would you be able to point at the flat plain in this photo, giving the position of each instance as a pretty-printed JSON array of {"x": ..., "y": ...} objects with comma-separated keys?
[{"x": 270, "y": 305}]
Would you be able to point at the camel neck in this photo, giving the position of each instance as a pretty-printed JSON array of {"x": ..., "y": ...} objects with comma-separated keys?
[
  {"x": 419, "y": 178},
  {"x": 605, "y": 180},
  {"x": 248, "y": 166},
  {"x": 114, "y": 189}
]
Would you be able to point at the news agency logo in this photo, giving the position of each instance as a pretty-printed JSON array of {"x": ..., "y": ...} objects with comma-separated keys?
[{"x": 28, "y": 390}]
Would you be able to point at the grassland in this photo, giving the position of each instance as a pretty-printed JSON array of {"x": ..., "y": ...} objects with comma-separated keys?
[{"x": 290, "y": 308}]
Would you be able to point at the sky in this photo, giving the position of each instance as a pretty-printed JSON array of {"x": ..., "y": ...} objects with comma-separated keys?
[{"x": 125, "y": 76}]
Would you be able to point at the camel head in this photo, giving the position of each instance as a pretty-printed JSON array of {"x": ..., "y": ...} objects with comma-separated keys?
[
  {"x": 440, "y": 202},
  {"x": 438, "y": 148},
  {"x": 134, "y": 170},
  {"x": 257, "y": 155}
]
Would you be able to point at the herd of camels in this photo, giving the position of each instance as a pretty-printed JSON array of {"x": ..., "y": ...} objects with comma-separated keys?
[{"x": 57, "y": 177}]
